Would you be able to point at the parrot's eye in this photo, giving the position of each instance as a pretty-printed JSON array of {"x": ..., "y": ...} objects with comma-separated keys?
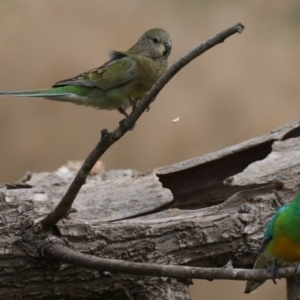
[{"x": 155, "y": 40}]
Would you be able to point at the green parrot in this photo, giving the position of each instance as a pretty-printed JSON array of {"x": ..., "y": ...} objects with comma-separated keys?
[
  {"x": 120, "y": 82},
  {"x": 281, "y": 244}
]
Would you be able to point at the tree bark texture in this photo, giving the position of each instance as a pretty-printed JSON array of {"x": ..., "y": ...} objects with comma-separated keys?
[{"x": 201, "y": 212}]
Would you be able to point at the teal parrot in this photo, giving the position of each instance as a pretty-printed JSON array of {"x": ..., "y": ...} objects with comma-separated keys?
[
  {"x": 281, "y": 241},
  {"x": 120, "y": 82}
]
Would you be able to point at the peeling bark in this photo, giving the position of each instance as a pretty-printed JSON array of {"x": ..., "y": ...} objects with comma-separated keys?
[{"x": 201, "y": 212}]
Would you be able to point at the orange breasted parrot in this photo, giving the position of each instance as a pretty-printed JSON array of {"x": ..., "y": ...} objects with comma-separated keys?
[{"x": 281, "y": 242}]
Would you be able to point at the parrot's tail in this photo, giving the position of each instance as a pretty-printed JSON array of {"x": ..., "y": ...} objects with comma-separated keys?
[
  {"x": 74, "y": 94},
  {"x": 35, "y": 93},
  {"x": 262, "y": 262},
  {"x": 251, "y": 286}
]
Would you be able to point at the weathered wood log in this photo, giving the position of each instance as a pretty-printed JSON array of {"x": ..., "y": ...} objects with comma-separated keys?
[{"x": 200, "y": 212}]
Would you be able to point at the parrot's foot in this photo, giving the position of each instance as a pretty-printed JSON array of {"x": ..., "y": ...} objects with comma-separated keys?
[
  {"x": 123, "y": 122},
  {"x": 123, "y": 112},
  {"x": 136, "y": 104},
  {"x": 132, "y": 101},
  {"x": 273, "y": 268}
]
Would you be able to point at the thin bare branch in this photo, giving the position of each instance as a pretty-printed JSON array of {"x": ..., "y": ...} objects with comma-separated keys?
[
  {"x": 64, "y": 254},
  {"x": 109, "y": 138}
]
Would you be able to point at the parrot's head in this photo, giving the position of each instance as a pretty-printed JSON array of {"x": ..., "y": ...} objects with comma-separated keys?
[{"x": 155, "y": 43}]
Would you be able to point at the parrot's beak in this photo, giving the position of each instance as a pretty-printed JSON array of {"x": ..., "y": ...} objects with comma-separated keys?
[{"x": 168, "y": 47}]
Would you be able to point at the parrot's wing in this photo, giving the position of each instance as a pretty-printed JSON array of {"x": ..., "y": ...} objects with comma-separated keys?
[
  {"x": 268, "y": 235},
  {"x": 265, "y": 258},
  {"x": 116, "y": 72}
]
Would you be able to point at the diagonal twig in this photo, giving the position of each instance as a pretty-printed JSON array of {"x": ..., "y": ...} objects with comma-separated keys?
[{"x": 109, "y": 138}]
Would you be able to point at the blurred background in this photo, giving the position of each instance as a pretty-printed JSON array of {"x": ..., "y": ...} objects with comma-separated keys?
[{"x": 240, "y": 89}]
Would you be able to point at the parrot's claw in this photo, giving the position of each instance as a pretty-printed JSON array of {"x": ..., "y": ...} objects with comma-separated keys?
[
  {"x": 273, "y": 268},
  {"x": 136, "y": 104},
  {"x": 123, "y": 112},
  {"x": 132, "y": 102}
]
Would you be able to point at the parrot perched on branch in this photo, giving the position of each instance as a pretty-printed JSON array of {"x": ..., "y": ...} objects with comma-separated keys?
[
  {"x": 281, "y": 242},
  {"x": 120, "y": 82}
]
